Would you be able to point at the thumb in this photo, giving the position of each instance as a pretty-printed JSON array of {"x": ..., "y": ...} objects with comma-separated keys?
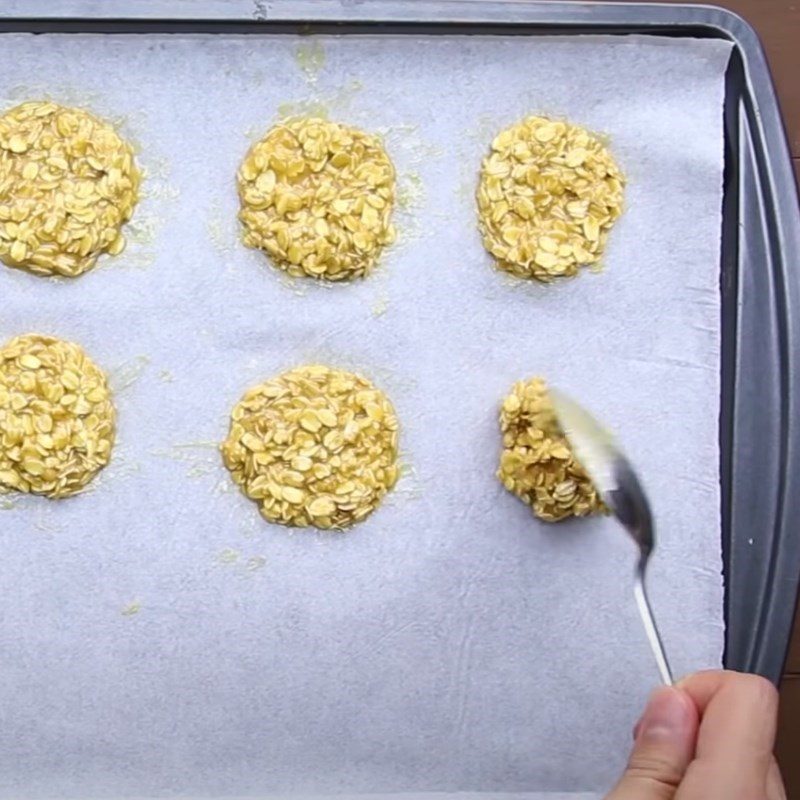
[{"x": 663, "y": 750}]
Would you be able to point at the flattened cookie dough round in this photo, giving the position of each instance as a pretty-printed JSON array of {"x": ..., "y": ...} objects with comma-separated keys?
[
  {"x": 314, "y": 446},
  {"x": 56, "y": 417},
  {"x": 68, "y": 183},
  {"x": 537, "y": 464},
  {"x": 548, "y": 195},
  {"x": 317, "y": 197}
]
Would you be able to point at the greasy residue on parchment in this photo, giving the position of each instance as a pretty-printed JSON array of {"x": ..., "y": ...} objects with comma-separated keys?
[
  {"x": 239, "y": 563},
  {"x": 131, "y": 609},
  {"x": 201, "y": 458},
  {"x": 310, "y": 57}
]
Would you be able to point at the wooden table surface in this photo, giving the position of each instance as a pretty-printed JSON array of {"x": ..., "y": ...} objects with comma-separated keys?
[{"x": 778, "y": 24}]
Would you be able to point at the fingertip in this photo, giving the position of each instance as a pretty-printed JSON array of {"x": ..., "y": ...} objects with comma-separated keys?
[
  {"x": 703, "y": 686},
  {"x": 702, "y": 676},
  {"x": 664, "y": 746},
  {"x": 670, "y": 713}
]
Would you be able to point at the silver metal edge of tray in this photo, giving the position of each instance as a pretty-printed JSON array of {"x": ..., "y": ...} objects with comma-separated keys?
[{"x": 762, "y": 559}]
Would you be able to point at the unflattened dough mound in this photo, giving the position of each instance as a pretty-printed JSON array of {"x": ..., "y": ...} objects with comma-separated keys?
[
  {"x": 67, "y": 185},
  {"x": 314, "y": 446},
  {"x": 537, "y": 464},
  {"x": 548, "y": 196},
  {"x": 56, "y": 417},
  {"x": 317, "y": 197}
]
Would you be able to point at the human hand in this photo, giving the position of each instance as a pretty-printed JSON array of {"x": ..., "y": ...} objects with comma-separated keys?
[{"x": 708, "y": 738}]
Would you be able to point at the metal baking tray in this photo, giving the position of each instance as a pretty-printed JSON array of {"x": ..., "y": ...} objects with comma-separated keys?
[{"x": 760, "y": 405}]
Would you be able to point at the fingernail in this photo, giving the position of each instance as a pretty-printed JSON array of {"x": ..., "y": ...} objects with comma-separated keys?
[{"x": 668, "y": 716}]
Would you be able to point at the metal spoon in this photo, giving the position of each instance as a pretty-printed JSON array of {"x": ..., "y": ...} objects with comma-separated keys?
[{"x": 613, "y": 475}]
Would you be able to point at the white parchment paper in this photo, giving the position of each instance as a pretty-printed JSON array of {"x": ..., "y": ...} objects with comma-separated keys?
[{"x": 158, "y": 639}]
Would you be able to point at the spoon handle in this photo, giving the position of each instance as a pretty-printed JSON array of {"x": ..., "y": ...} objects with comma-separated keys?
[{"x": 646, "y": 612}]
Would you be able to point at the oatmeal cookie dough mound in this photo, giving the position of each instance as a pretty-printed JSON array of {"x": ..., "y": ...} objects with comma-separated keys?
[
  {"x": 68, "y": 183},
  {"x": 56, "y": 417},
  {"x": 548, "y": 195},
  {"x": 314, "y": 446},
  {"x": 317, "y": 197},
  {"x": 537, "y": 464}
]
